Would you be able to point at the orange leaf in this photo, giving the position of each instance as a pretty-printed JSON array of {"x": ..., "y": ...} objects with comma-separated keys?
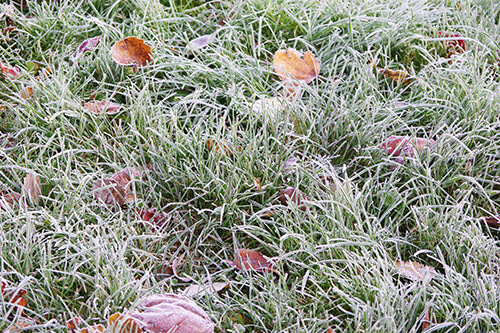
[
  {"x": 131, "y": 51},
  {"x": 221, "y": 147},
  {"x": 99, "y": 107},
  {"x": 253, "y": 260},
  {"x": 93, "y": 329},
  {"x": 397, "y": 76},
  {"x": 27, "y": 92},
  {"x": 290, "y": 63},
  {"x": 122, "y": 324}
]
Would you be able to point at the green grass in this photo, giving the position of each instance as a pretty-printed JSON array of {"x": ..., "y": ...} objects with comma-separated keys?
[{"x": 77, "y": 257}]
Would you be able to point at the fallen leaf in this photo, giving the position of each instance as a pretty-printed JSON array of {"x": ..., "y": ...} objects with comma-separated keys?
[
  {"x": 10, "y": 200},
  {"x": 10, "y": 72},
  {"x": 426, "y": 321},
  {"x": 290, "y": 63},
  {"x": 257, "y": 184},
  {"x": 398, "y": 76},
  {"x": 415, "y": 271},
  {"x": 131, "y": 51},
  {"x": 14, "y": 295},
  {"x": 453, "y": 42},
  {"x": 93, "y": 329},
  {"x": 201, "y": 42},
  {"x": 405, "y": 146},
  {"x": 156, "y": 220},
  {"x": 269, "y": 107},
  {"x": 253, "y": 260},
  {"x": 7, "y": 141},
  {"x": 32, "y": 188},
  {"x": 117, "y": 189},
  {"x": 26, "y": 92},
  {"x": 87, "y": 46},
  {"x": 290, "y": 165},
  {"x": 99, "y": 107},
  {"x": 491, "y": 221},
  {"x": 123, "y": 324},
  {"x": 294, "y": 195},
  {"x": 220, "y": 147},
  {"x": 73, "y": 323},
  {"x": 165, "y": 313},
  {"x": 205, "y": 289}
]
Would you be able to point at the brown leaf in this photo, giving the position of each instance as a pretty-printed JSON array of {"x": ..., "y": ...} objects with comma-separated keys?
[
  {"x": 87, "y": 46},
  {"x": 6, "y": 141},
  {"x": 415, "y": 271},
  {"x": 73, "y": 323},
  {"x": 9, "y": 72},
  {"x": 294, "y": 195},
  {"x": 14, "y": 295},
  {"x": 99, "y": 107},
  {"x": 26, "y": 93},
  {"x": 168, "y": 313},
  {"x": 399, "y": 76},
  {"x": 290, "y": 63},
  {"x": 201, "y": 42},
  {"x": 491, "y": 221},
  {"x": 12, "y": 200},
  {"x": 253, "y": 260},
  {"x": 93, "y": 329},
  {"x": 405, "y": 146},
  {"x": 131, "y": 51},
  {"x": 202, "y": 290},
  {"x": 32, "y": 188},
  {"x": 123, "y": 324},
  {"x": 222, "y": 147},
  {"x": 157, "y": 220},
  {"x": 110, "y": 192},
  {"x": 257, "y": 184}
]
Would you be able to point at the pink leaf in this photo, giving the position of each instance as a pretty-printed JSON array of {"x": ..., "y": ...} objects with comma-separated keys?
[
  {"x": 10, "y": 72},
  {"x": 87, "y": 46}
]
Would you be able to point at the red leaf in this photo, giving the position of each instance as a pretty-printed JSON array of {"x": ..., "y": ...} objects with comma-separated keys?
[
  {"x": 98, "y": 107},
  {"x": 453, "y": 42},
  {"x": 253, "y": 260},
  {"x": 87, "y": 46},
  {"x": 405, "y": 145},
  {"x": 10, "y": 72},
  {"x": 157, "y": 220},
  {"x": 294, "y": 195}
]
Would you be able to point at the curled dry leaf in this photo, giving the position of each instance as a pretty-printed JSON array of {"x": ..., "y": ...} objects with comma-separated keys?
[
  {"x": 290, "y": 64},
  {"x": 415, "y": 271},
  {"x": 201, "y": 42},
  {"x": 291, "y": 194},
  {"x": 453, "y": 42},
  {"x": 99, "y": 107},
  {"x": 254, "y": 261},
  {"x": 9, "y": 72},
  {"x": 398, "y": 76},
  {"x": 87, "y": 46},
  {"x": 117, "y": 189},
  {"x": 205, "y": 289},
  {"x": 164, "y": 313},
  {"x": 32, "y": 188},
  {"x": 131, "y": 51}
]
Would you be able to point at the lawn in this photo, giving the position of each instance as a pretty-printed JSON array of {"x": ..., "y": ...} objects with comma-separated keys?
[{"x": 384, "y": 236}]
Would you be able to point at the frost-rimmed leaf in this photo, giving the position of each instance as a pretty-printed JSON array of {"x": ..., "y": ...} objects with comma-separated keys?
[
  {"x": 415, "y": 271},
  {"x": 204, "y": 289},
  {"x": 131, "y": 51},
  {"x": 86, "y": 46},
  {"x": 202, "y": 41},
  {"x": 32, "y": 188},
  {"x": 289, "y": 64},
  {"x": 99, "y": 107}
]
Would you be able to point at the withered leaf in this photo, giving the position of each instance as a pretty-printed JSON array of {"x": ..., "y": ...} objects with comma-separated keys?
[
  {"x": 26, "y": 92},
  {"x": 87, "y": 46},
  {"x": 405, "y": 145},
  {"x": 6, "y": 141},
  {"x": 99, "y": 107},
  {"x": 269, "y": 107},
  {"x": 291, "y": 194},
  {"x": 93, "y": 329},
  {"x": 166, "y": 313},
  {"x": 117, "y": 189},
  {"x": 131, "y": 51},
  {"x": 221, "y": 148},
  {"x": 201, "y": 42},
  {"x": 253, "y": 260},
  {"x": 491, "y": 221},
  {"x": 122, "y": 324},
  {"x": 32, "y": 188},
  {"x": 9, "y": 72},
  {"x": 205, "y": 289},
  {"x": 14, "y": 295},
  {"x": 12, "y": 200},
  {"x": 398, "y": 76},
  {"x": 415, "y": 271},
  {"x": 453, "y": 42},
  {"x": 290, "y": 64},
  {"x": 157, "y": 220}
]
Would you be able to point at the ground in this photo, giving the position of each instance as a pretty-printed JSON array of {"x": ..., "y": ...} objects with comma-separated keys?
[{"x": 215, "y": 164}]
